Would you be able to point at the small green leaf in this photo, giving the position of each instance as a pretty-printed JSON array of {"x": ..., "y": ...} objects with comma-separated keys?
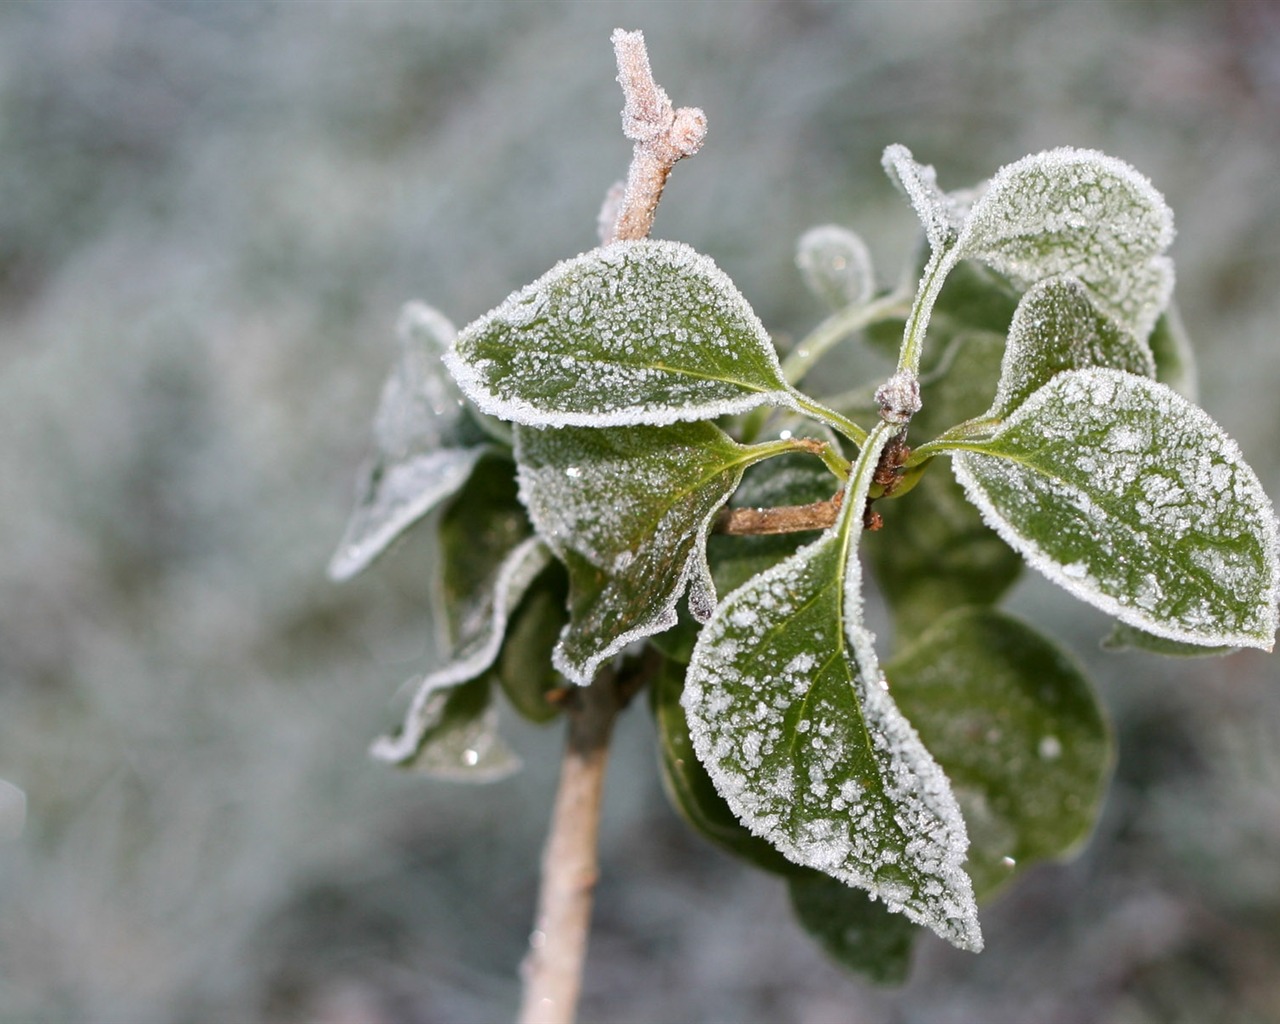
[
  {"x": 638, "y": 332},
  {"x": 800, "y": 736},
  {"x": 689, "y": 787},
  {"x": 480, "y": 641},
  {"x": 1082, "y": 213},
  {"x": 836, "y": 266},
  {"x": 1018, "y": 730},
  {"x": 1056, "y": 328},
  {"x": 523, "y": 668},
  {"x": 857, "y": 932},
  {"x": 627, "y": 510},
  {"x": 425, "y": 445},
  {"x": 1134, "y": 500},
  {"x": 460, "y": 738}
]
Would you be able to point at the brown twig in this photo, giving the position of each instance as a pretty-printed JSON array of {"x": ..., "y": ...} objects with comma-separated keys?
[
  {"x": 662, "y": 135},
  {"x": 744, "y": 522}
]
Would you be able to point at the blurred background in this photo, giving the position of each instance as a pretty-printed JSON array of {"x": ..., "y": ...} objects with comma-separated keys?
[{"x": 210, "y": 214}]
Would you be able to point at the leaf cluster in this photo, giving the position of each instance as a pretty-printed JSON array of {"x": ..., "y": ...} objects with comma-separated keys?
[{"x": 582, "y": 448}]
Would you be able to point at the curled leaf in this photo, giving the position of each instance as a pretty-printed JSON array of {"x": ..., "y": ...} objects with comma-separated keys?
[{"x": 425, "y": 445}]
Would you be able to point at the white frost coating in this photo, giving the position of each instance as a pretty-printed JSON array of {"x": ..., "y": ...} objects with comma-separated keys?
[
  {"x": 836, "y": 265},
  {"x": 1083, "y": 213},
  {"x": 941, "y": 215},
  {"x": 641, "y": 332},
  {"x": 475, "y": 654},
  {"x": 421, "y": 454},
  {"x": 895, "y": 831},
  {"x": 1177, "y": 538},
  {"x": 630, "y": 526}
]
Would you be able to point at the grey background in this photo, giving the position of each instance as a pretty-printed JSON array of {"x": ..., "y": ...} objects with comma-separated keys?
[{"x": 210, "y": 214}]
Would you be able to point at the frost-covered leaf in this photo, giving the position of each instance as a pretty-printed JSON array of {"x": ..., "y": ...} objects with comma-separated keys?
[
  {"x": 836, "y": 265},
  {"x": 477, "y": 532},
  {"x": 1125, "y": 637},
  {"x": 627, "y": 510},
  {"x": 637, "y": 332},
  {"x": 1134, "y": 500},
  {"x": 425, "y": 444},
  {"x": 942, "y": 215},
  {"x": 1018, "y": 730},
  {"x": 482, "y": 632},
  {"x": 1056, "y": 328},
  {"x": 935, "y": 552},
  {"x": 1175, "y": 360},
  {"x": 1082, "y": 213},
  {"x": 460, "y": 738},
  {"x": 689, "y": 787},
  {"x": 798, "y": 479},
  {"x": 488, "y": 561},
  {"x": 856, "y": 932},
  {"x": 800, "y": 736}
]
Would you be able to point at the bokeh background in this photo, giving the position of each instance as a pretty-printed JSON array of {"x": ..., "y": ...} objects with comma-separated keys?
[{"x": 210, "y": 214}]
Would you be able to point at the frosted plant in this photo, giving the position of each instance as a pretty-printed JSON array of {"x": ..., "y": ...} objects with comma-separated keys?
[{"x": 633, "y": 489}]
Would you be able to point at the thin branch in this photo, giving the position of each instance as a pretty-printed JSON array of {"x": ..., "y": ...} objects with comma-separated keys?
[
  {"x": 662, "y": 135},
  {"x": 744, "y": 522},
  {"x": 552, "y": 969}
]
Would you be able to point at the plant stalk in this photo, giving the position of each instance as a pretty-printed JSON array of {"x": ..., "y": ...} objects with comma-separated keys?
[{"x": 552, "y": 969}]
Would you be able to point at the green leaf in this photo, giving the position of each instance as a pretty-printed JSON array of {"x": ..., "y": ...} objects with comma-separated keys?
[
  {"x": 460, "y": 739},
  {"x": 935, "y": 553},
  {"x": 857, "y": 932},
  {"x": 638, "y": 332},
  {"x": 627, "y": 510},
  {"x": 425, "y": 445},
  {"x": 478, "y": 530},
  {"x": 974, "y": 299},
  {"x": 689, "y": 787},
  {"x": 800, "y": 736},
  {"x": 523, "y": 668},
  {"x": 836, "y": 265},
  {"x": 480, "y": 642},
  {"x": 488, "y": 561},
  {"x": 1056, "y": 328},
  {"x": 1078, "y": 212},
  {"x": 1019, "y": 732},
  {"x": 1134, "y": 500}
]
